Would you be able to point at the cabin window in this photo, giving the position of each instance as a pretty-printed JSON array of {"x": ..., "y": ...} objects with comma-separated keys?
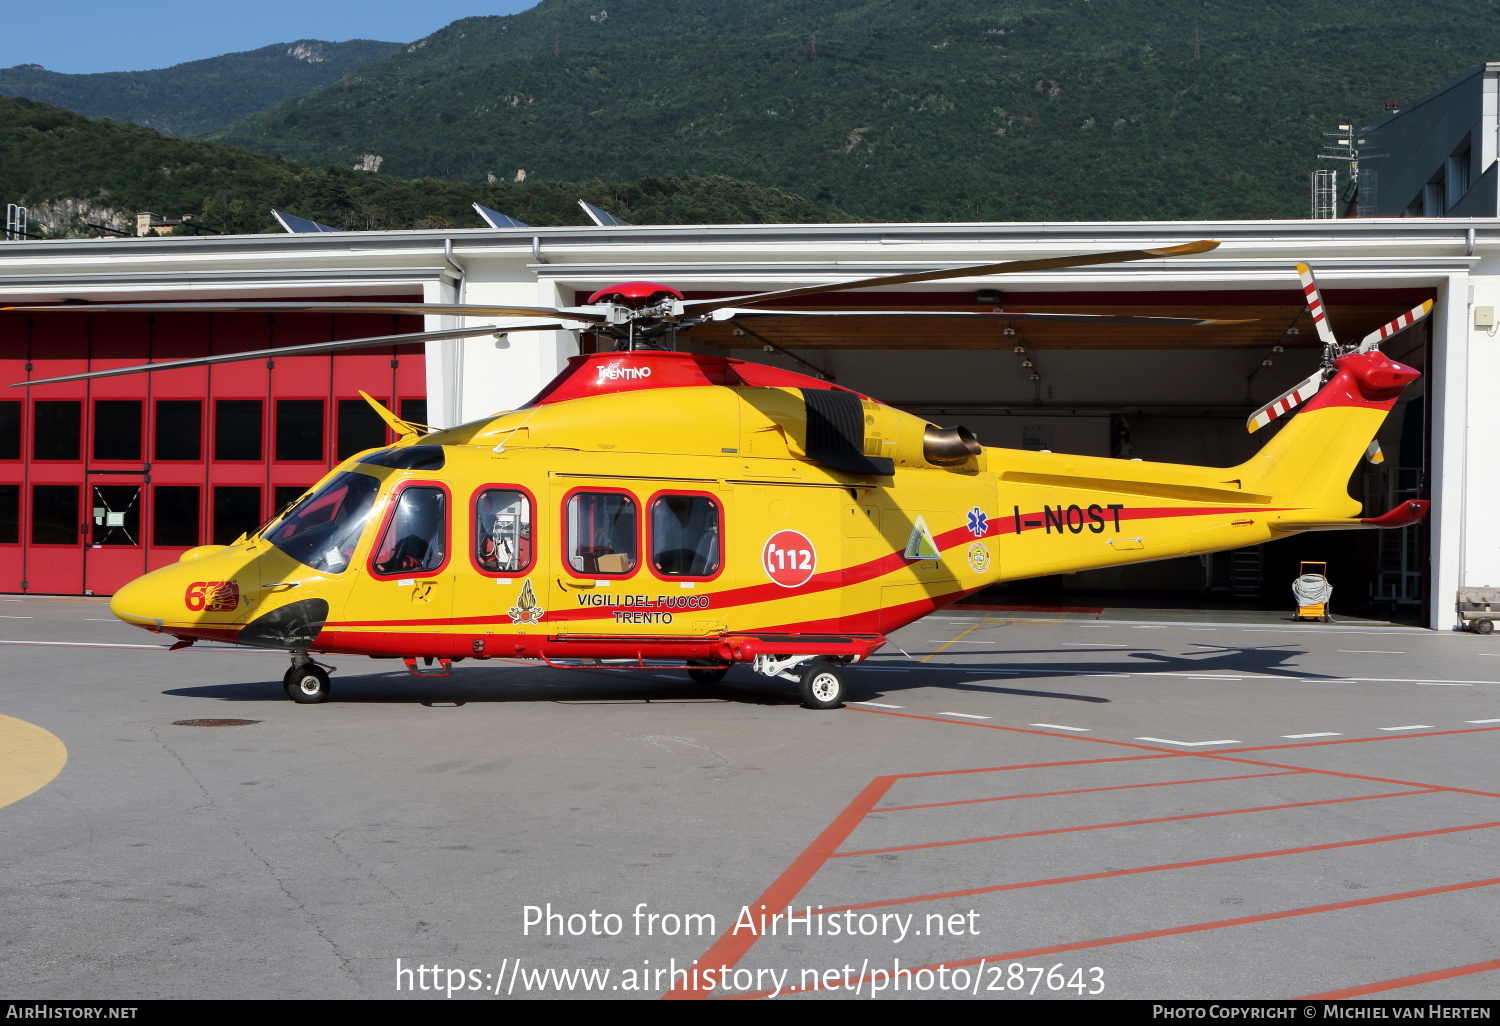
[
  {"x": 685, "y": 533},
  {"x": 601, "y": 533},
  {"x": 502, "y": 530},
  {"x": 322, "y": 530},
  {"x": 416, "y": 537}
]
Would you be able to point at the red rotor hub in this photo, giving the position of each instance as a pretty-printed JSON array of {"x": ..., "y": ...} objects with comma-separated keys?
[{"x": 635, "y": 294}]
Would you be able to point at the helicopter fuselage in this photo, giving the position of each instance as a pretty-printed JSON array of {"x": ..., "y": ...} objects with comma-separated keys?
[{"x": 656, "y": 505}]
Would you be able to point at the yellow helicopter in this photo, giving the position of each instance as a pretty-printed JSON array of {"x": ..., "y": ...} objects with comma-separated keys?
[{"x": 652, "y": 506}]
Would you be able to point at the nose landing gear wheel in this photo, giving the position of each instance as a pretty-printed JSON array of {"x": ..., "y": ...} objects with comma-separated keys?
[
  {"x": 822, "y": 685},
  {"x": 307, "y": 685}
]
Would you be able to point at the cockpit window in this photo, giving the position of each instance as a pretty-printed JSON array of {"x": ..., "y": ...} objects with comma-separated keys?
[
  {"x": 322, "y": 530},
  {"x": 409, "y": 457},
  {"x": 416, "y": 538}
]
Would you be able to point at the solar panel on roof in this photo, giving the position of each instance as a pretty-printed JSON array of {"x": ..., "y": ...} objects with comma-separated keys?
[
  {"x": 495, "y": 219},
  {"x": 299, "y": 225},
  {"x": 602, "y": 218}
]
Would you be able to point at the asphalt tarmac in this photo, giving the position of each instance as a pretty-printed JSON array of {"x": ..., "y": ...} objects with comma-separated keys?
[{"x": 1012, "y": 809}]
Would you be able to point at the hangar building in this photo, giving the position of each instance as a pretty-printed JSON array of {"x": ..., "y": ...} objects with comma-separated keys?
[{"x": 102, "y": 480}]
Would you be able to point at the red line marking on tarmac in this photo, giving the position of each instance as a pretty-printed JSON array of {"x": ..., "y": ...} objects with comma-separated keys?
[
  {"x": 731, "y": 947},
  {"x": 1129, "y": 822},
  {"x": 1175, "y": 931},
  {"x": 1404, "y": 981},
  {"x": 1083, "y": 790},
  {"x": 1163, "y": 867}
]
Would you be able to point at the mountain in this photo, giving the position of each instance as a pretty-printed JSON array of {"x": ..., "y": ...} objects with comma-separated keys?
[
  {"x": 899, "y": 109},
  {"x": 198, "y": 96},
  {"x": 71, "y": 171}
]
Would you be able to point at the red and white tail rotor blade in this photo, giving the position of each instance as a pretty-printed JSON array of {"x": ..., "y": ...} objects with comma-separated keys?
[
  {"x": 1315, "y": 305},
  {"x": 1400, "y": 324},
  {"x": 1286, "y": 402}
]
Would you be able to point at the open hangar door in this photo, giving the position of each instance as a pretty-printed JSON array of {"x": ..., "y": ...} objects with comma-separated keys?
[{"x": 1167, "y": 394}]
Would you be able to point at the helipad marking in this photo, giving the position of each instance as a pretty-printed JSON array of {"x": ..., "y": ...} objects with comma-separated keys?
[
  {"x": 29, "y": 758},
  {"x": 968, "y": 716},
  {"x": 1186, "y": 744},
  {"x": 1058, "y": 726},
  {"x": 1326, "y": 733},
  {"x": 1482, "y": 721},
  {"x": 879, "y": 705},
  {"x": 1409, "y": 726}
]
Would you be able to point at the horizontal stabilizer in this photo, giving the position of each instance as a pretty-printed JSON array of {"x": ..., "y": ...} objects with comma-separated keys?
[{"x": 1404, "y": 515}]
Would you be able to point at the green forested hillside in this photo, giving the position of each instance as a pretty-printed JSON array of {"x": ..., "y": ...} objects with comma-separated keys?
[
  {"x": 71, "y": 171},
  {"x": 900, "y": 109},
  {"x": 197, "y": 96}
]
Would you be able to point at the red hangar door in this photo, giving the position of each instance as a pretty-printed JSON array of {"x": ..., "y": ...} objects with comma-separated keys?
[{"x": 103, "y": 480}]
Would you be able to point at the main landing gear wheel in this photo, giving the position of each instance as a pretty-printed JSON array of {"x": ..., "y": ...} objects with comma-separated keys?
[
  {"x": 1484, "y": 625},
  {"x": 822, "y": 685},
  {"x": 708, "y": 673},
  {"x": 307, "y": 684}
]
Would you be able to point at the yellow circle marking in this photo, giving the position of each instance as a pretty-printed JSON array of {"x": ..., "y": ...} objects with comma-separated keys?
[{"x": 29, "y": 758}]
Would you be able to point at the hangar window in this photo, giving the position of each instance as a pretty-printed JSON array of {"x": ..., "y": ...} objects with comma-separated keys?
[
  {"x": 117, "y": 429},
  {"x": 179, "y": 429},
  {"x": 322, "y": 530},
  {"x": 236, "y": 511},
  {"x": 601, "y": 533},
  {"x": 56, "y": 430},
  {"x": 10, "y": 514},
  {"x": 299, "y": 430},
  {"x": 415, "y": 539},
  {"x": 237, "y": 429},
  {"x": 502, "y": 530},
  {"x": 685, "y": 532},
  {"x": 174, "y": 516},
  {"x": 54, "y": 514},
  {"x": 10, "y": 429},
  {"x": 360, "y": 428}
]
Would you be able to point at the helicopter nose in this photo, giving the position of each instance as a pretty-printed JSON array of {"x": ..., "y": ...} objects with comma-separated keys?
[{"x": 139, "y": 603}]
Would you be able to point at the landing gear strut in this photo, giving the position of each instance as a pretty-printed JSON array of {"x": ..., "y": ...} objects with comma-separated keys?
[
  {"x": 306, "y": 682},
  {"x": 819, "y": 680}
]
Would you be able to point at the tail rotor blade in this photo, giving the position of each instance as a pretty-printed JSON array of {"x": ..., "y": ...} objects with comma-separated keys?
[
  {"x": 1315, "y": 305},
  {"x": 1385, "y": 331},
  {"x": 1286, "y": 402}
]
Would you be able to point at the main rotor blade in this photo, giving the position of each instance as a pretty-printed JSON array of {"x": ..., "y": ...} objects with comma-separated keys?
[
  {"x": 1315, "y": 305},
  {"x": 737, "y": 313},
  {"x": 311, "y": 349},
  {"x": 1004, "y": 267},
  {"x": 1400, "y": 324},
  {"x": 1286, "y": 402},
  {"x": 576, "y": 313}
]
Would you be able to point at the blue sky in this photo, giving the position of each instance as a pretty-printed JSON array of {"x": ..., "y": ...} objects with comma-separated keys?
[{"x": 80, "y": 36}]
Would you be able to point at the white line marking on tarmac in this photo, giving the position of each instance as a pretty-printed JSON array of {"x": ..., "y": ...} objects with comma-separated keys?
[
  {"x": 1443, "y": 684},
  {"x": 879, "y": 705},
  {"x": 17, "y": 618},
  {"x": 82, "y": 644},
  {"x": 1058, "y": 726},
  {"x": 968, "y": 716},
  {"x": 1148, "y": 627},
  {"x": 1368, "y": 651},
  {"x": 1203, "y": 628},
  {"x": 1409, "y": 726},
  {"x": 1482, "y": 721},
  {"x": 1186, "y": 744},
  {"x": 1326, "y": 733}
]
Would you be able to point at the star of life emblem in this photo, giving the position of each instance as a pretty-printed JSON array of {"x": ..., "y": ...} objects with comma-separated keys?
[
  {"x": 979, "y": 522},
  {"x": 526, "y": 611}
]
